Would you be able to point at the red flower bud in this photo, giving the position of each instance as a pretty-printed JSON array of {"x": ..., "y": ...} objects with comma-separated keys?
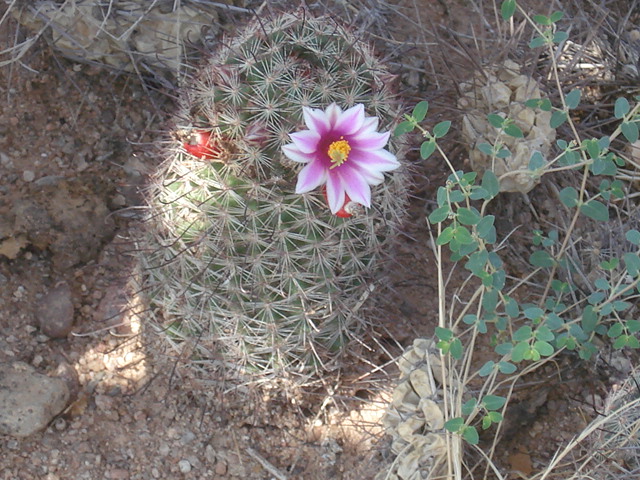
[{"x": 201, "y": 145}]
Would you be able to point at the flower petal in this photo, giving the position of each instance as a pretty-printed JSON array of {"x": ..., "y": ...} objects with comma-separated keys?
[
  {"x": 369, "y": 140},
  {"x": 335, "y": 192},
  {"x": 294, "y": 153},
  {"x": 316, "y": 120},
  {"x": 356, "y": 186},
  {"x": 311, "y": 176},
  {"x": 306, "y": 140},
  {"x": 333, "y": 113},
  {"x": 350, "y": 121},
  {"x": 372, "y": 177},
  {"x": 374, "y": 161},
  {"x": 369, "y": 125}
]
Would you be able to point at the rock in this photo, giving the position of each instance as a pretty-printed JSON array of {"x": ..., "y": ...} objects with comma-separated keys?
[
  {"x": 28, "y": 399},
  {"x": 55, "y": 313},
  {"x": 185, "y": 466}
]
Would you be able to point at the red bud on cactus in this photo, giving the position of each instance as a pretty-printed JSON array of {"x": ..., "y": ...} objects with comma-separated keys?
[
  {"x": 202, "y": 146},
  {"x": 347, "y": 209}
]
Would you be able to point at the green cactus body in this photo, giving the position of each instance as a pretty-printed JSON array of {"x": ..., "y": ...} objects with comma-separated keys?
[{"x": 235, "y": 258}]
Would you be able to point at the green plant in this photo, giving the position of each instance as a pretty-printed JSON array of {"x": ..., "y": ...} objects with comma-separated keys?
[
  {"x": 239, "y": 257},
  {"x": 576, "y": 305}
]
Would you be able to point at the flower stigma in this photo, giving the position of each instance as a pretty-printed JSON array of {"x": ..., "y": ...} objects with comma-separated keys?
[{"x": 339, "y": 152}]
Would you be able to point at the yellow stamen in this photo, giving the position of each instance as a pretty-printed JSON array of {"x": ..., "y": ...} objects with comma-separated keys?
[{"x": 339, "y": 152}]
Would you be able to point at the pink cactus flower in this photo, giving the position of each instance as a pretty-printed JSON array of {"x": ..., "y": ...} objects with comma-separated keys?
[{"x": 342, "y": 150}]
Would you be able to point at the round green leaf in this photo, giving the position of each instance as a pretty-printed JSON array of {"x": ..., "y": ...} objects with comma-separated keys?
[
  {"x": 403, "y": 127},
  {"x": 573, "y": 98},
  {"x": 621, "y": 107},
  {"x": 507, "y": 9},
  {"x": 420, "y": 111},
  {"x": 427, "y": 148},
  {"x": 441, "y": 129},
  {"x": 595, "y": 210}
]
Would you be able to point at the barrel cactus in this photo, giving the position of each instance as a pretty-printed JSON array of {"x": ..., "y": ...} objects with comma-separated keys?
[{"x": 270, "y": 214}]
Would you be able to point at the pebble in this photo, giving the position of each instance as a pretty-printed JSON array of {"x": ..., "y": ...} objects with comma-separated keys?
[
  {"x": 28, "y": 176},
  {"x": 185, "y": 466},
  {"x": 28, "y": 399},
  {"x": 55, "y": 313}
]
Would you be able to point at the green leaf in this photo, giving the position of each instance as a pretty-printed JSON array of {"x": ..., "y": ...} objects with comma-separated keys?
[
  {"x": 441, "y": 129},
  {"x": 560, "y": 37},
  {"x": 543, "y": 348},
  {"x": 573, "y": 98},
  {"x": 542, "y": 20},
  {"x": 632, "y": 263},
  {"x": 456, "y": 349},
  {"x": 589, "y": 319},
  {"x": 542, "y": 259},
  {"x": 468, "y": 216},
  {"x": 533, "y": 313},
  {"x": 477, "y": 261},
  {"x": 469, "y": 406},
  {"x": 633, "y": 236},
  {"x": 445, "y": 236},
  {"x": 504, "y": 348},
  {"x": 444, "y": 334},
  {"x": 470, "y": 434},
  {"x": 513, "y": 131},
  {"x": 493, "y": 402},
  {"x": 427, "y": 148},
  {"x": 557, "y": 118},
  {"x": 490, "y": 183},
  {"x": 496, "y": 120},
  {"x": 512, "y": 308},
  {"x": 537, "y": 42},
  {"x": 621, "y": 107},
  {"x": 485, "y": 226},
  {"x": 536, "y": 161},
  {"x": 420, "y": 111},
  {"x": 507, "y": 9},
  {"x": 556, "y": 16},
  {"x": 486, "y": 369},
  {"x": 462, "y": 235},
  {"x": 486, "y": 148},
  {"x": 454, "y": 425},
  {"x": 519, "y": 351},
  {"x": 523, "y": 333},
  {"x": 545, "y": 333},
  {"x": 403, "y": 127},
  {"x": 569, "y": 197},
  {"x": 440, "y": 214},
  {"x": 595, "y": 210},
  {"x": 592, "y": 147},
  {"x": 602, "y": 284},
  {"x": 630, "y": 131},
  {"x": 615, "y": 330},
  {"x": 507, "y": 367}
]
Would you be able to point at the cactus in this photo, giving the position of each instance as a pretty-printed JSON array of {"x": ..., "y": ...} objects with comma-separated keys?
[{"x": 236, "y": 260}]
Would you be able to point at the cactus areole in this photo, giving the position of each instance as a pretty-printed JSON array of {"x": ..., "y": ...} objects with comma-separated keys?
[{"x": 270, "y": 215}]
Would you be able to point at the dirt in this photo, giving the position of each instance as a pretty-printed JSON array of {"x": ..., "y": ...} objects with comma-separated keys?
[{"x": 76, "y": 146}]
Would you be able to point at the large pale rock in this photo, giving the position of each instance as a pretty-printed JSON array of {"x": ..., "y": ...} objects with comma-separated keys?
[{"x": 28, "y": 399}]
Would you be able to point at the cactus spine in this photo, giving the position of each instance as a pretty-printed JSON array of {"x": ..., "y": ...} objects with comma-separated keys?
[{"x": 234, "y": 257}]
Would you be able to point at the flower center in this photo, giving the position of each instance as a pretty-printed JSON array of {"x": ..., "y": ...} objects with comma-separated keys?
[{"x": 339, "y": 152}]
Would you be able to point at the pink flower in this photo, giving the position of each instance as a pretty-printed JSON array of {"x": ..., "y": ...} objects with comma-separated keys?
[{"x": 343, "y": 150}]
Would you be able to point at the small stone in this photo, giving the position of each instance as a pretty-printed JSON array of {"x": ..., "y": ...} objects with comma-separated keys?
[
  {"x": 55, "y": 313},
  {"x": 184, "y": 466},
  {"x": 28, "y": 399},
  {"x": 221, "y": 468},
  {"x": 28, "y": 176}
]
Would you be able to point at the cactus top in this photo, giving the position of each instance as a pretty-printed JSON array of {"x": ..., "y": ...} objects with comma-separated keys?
[{"x": 342, "y": 150}]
